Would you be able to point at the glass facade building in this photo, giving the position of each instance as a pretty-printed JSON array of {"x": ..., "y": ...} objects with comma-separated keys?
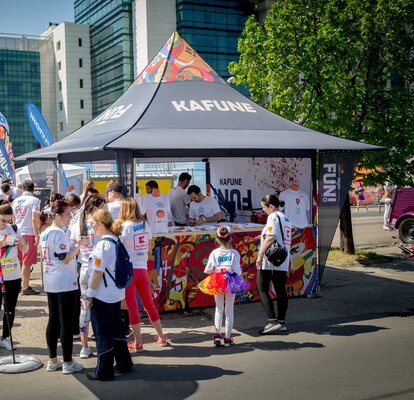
[
  {"x": 212, "y": 28},
  {"x": 19, "y": 84},
  {"x": 111, "y": 48}
]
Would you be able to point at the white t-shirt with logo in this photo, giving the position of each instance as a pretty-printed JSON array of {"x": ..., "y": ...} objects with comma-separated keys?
[
  {"x": 297, "y": 207},
  {"x": 158, "y": 212},
  {"x": 57, "y": 276},
  {"x": 273, "y": 228},
  {"x": 23, "y": 209},
  {"x": 208, "y": 207},
  {"x": 103, "y": 257},
  {"x": 223, "y": 260},
  {"x": 179, "y": 201},
  {"x": 136, "y": 237},
  {"x": 10, "y": 262},
  {"x": 114, "y": 208},
  {"x": 85, "y": 250}
]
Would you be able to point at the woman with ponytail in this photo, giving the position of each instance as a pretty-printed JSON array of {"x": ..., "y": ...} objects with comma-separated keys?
[
  {"x": 136, "y": 237},
  {"x": 278, "y": 228},
  {"x": 104, "y": 298},
  {"x": 83, "y": 230}
]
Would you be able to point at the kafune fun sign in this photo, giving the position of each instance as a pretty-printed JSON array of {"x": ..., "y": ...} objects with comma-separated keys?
[{"x": 247, "y": 180}]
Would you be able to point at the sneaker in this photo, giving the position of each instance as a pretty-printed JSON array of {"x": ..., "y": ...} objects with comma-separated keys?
[
  {"x": 217, "y": 339},
  {"x": 228, "y": 342},
  {"x": 71, "y": 367},
  {"x": 135, "y": 347},
  {"x": 5, "y": 344},
  {"x": 29, "y": 291},
  {"x": 85, "y": 352},
  {"x": 273, "y": 326},
  {"x": 128, "y": 333},
  {"x": 163, "y": 341},
  {"x": 53, "y": 366}
]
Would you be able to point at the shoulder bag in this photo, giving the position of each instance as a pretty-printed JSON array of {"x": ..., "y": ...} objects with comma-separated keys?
[{"x": 276, "y": 253}]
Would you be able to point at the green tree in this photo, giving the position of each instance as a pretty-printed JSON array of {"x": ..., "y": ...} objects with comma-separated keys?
[{"x": 342, "y": 67}]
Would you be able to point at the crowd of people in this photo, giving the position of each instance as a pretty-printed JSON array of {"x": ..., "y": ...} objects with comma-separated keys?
[{"x": 78, "y": 238}]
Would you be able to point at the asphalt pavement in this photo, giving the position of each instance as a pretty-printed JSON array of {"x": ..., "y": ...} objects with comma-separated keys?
[{"x": 353, "y": 342}]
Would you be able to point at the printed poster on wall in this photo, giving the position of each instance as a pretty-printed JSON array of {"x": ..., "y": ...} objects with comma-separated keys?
[{"x": 247, "y": 180}]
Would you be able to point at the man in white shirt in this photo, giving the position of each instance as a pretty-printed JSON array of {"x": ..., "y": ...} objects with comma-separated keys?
[
  {"x": 26, "y": 210},
  {"x": 157, "y": 208},
  {"x": 115, "y": 193},
  {"x": 202, "y": 208},
  {"x": 179, "y": 200}
]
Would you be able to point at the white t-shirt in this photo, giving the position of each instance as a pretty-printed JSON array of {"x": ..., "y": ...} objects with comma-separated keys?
[
  {"x": 10, "y": 262},
  {"x": 136, "y": 237},
  {"x": 86, "y": 250},
  {"x": 273, "y": 228},
  {"x": 57, "y": 276},
  {"x": 221, "y": 260},
  {"x": 158, "y": 212},
  {"x": 103, "y": 257},
  {"x": 23, "y": 209},
  {"x": 114, "y": 208},
  {"x": 179, "y": 201},
  {"x": 297, "y": 207},
  {"x": 208, "y": 207}
]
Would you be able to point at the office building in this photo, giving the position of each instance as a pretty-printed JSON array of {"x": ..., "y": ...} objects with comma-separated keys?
[
  {"x": 111, "y": 40},
  {"x": 66, "y": 77},
  {"x": 19, "y": 83}
]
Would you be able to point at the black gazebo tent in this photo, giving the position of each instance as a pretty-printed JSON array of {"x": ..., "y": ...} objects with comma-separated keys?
[{"x": 179, "y": 107}]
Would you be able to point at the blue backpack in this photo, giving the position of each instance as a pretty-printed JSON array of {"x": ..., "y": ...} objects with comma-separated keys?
[{"x": 123, "y": 265}]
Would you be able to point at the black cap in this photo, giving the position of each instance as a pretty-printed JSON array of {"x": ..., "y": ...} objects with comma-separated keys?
[{"x": 118, "y": 188}]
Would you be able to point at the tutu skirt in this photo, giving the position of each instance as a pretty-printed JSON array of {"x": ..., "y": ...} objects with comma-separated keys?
[
  {"x": 217, "y": 283},
  {"x": 236, "y": 284}
]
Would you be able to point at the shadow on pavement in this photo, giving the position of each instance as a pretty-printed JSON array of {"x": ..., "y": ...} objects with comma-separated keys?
[{"x": 152, "y": 381}]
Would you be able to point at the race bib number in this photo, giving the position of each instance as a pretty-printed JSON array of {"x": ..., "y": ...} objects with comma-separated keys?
[{"x": 9, "y": 265}]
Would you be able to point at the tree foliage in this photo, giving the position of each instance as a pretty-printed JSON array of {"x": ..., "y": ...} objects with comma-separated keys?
[{"x": 342, "y": 67}]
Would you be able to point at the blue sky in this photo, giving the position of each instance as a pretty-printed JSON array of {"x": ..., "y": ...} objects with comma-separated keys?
[{"x": 31, "y": 17}]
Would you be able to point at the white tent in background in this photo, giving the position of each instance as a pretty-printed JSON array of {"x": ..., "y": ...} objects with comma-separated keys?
[{"x": 75, "y": 175}]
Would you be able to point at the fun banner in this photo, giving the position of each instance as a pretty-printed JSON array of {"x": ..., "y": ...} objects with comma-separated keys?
[
  {"x": 42, "y": 134},
  {"x": 247, "y": 180}
]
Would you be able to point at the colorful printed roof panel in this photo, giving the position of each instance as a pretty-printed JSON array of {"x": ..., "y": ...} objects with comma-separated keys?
[{"x": 177, "y": 61}]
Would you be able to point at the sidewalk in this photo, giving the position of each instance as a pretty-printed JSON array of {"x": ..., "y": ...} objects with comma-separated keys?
[{"x": 192, "y": 367}]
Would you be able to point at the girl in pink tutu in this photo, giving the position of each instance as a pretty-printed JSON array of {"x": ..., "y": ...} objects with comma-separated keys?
[{"x": 224, "y": 282}]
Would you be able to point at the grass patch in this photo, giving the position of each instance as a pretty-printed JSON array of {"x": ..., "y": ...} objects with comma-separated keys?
[{"x": 336, "y": 256}]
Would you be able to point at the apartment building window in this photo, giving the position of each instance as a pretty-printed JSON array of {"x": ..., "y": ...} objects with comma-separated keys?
[
  {"x": 80, "y": 42},
  {"x": 80, "y": 63},
  {"x": 58, "y": 45},
  {"x": 81, "y": 83},
  {"x": 60, "y": 85},
  {"x": 61, "y": 126},
  {"x": 82, "y": 122},
  {"x": 82, "y": 104},
  {"x": 60, "y": 106},
  {"x": 59, "y": 66}
]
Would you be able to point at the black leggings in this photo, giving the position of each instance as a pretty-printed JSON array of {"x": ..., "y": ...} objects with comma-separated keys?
[
  {"x": 12, "y": 293},
  {"x": 278, "y": 278},
  {"x": 61, "y": 314}
]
